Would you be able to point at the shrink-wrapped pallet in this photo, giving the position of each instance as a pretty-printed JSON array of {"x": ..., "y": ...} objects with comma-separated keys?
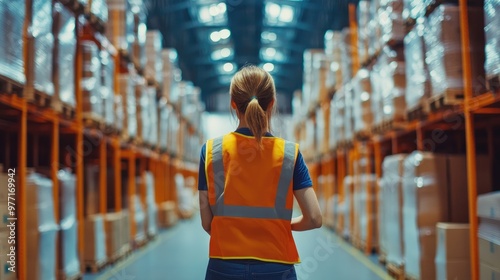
[
  {"x": 391, "y": 206},
  {"x": 391, "y": 20},
  {"x": 374, "y": 36},
  {"x": 492, "y": 49},
  {"x": 164, "y": 113},
  {"x": 139, "y": 218},
  {"x": 152, "y": 133},
  {"x": 364, "y": 194},
  {"x": 154, "y": 63},
  {"x": 334, "y": 56},
  {"x": 139, "y": 34},
  {"x": 349, "y": 112},
  {"x": 70, "y": 263},
  {"x": 142, "y": 106},
  {"x": 314, "y": 76},
  {"x": 95, "y": 240},
  {"x": 173, "y": 132},
  {"x": 64, "y": 68},
  {"x": 169, "y": 58},
  {"x": 363, "y": 15},
  {"x": 425, "y": 203},
  {"x": 151, "y": 208},
  {"x": 362, "y": 107},
  {"x": 39, "y": 46},
  {"x": 337, "y": 114},
  {"x": 113, "y": 226},
  {"x": 413, "y": 9},
  {"x": 348, "y": 205},
  {"x": 167, "y": 214},
  {"x": 453, "y": 251},
  {"x": 120, "y": 27},
  {"x": 41, "y": 227},
  {"x": 444, "y": 52},
  {"x": 119, "y": 115},
  {"x": 346, "y": 51},
  {"x": 488, "y": 211},
  {"x": 108, "y": 87},
  {"x": 12, "y": 17},
  {"x": 417, "y": 75},
  {"x": 127, "y": 92},
  {"x": 91, "y": 82}
]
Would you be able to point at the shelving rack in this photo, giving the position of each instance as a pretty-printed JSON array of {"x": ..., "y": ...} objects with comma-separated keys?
[
  {"x": 480, "y": 112},
  {"x": 70, "y": 141}
]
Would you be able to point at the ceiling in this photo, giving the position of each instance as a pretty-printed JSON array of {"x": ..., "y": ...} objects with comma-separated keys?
[{"x": 216, "y": 38}]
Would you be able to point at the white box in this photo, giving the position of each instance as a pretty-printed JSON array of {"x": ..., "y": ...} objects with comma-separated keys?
[{"x": 488, "y": 205}]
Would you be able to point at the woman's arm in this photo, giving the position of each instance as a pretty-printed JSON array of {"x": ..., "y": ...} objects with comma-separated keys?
[
  {"x": 311, "y": 214},
  {"x": 205, "y": 212}
]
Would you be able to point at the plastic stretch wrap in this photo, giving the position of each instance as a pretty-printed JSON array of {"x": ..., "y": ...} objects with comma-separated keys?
[
  {"x": 185, "y": 195},
  {"x": 100, "y": 9},
  {"x": 390, "y": 17},
  {"x": 127, "y": 92},
  {"x": 154, "y": 63},
  {"x": 348, "y": 201},
  {"x": 349, "y": 112},
  {"x": 492, "y": 32},
  {"x": 12, "y": 14},
  {"x": 139, "y": 218},
  {"x": 362, "y": 107},
  {"x": 346, "y": 51},
  {"x": 413, "y": 9},
  {"x": 139, "y": 33},
  {"x": 374, "y": 36},
  {"x": 152, "y": 136},
  {"x": 363, "y": 30},
  {"x": 391, "y": 208},
  {"x": 173, "y": 133},
  {"x": 425, "y": 203},
  {"x": 142, "y": 114},
  {"x": 66, "y": 54},
  {"x": 169, "y": 57},
  {"x": 113, "y": 226},
  {"x": 151, "y": 204},
  {"x": 43, "y": 39},
  {"x": 382, "y": 224},
  {"x": 417, "y": 75},
  {"x": 95, "y": 239},
  {"x": 376, "y": 96},
  {"x": 333, "y": 54},
  {"x": 365, "y": 184},
  {"x": 69, "y": 236},
  {"x": 337, "y": 107},
  {"x": 91, "y": 80},
  {"x": 41, "y": 227},
  {"x": 320, "y": 129},
  {"x": 314, "y": 75},
  {"x": 444, "y": 51},
  {"x": 118, "y": 116},
  {"x": 165, "y": 112},
  {"x": 120, "y": 27},
  {"x": 108, "y": 86}
]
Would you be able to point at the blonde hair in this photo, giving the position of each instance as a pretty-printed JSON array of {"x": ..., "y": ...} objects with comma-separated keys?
[{"x": 252, "y": 91}]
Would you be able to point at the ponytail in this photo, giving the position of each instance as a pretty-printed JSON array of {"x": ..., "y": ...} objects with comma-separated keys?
[{"x": 256, "y": 119}]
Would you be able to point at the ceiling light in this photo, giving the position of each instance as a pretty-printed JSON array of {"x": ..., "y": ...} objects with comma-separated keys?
[
  {"x": 269, "y": 67},
  {"x": 205, "y": 14},
  {"x": 224, "y": 33},
  {"x": 286, "y": 14},
  {"x": 270, "y": 52},
  {"x": 225, "y": 52},
  {"x": 228, "y": 67},
  {"x": 273, "y": 10},
  {"x": 215, "y": 36},
  {"x": 222, "y": 7},
  {"x": 269, "y": 36},
  {"x": 214, "y": 10}
]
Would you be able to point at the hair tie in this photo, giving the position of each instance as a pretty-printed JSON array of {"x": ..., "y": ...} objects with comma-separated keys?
[{"x": 253, "y": 97}]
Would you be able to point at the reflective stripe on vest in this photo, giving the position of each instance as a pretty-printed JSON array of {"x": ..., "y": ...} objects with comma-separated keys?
[{"x": 279, "y": 210}]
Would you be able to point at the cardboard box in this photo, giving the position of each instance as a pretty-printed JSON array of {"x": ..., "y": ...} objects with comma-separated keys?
[
  {"x": 125, "y": 228},
  {"x": 489, "y": 253},
  {"x": 114, "y": 242},
  {"x": 91, "y": 190},
  {"x": 457, "y": 174},
  {"x": 487, "y": 272},
  {"x": 452, "y": 242},
  {"x": 488, "y": 205},
  {"x": 42, "y": 246},
  {"x": 167, "y": 214},
  {"x": 95, "y": 239},
  {"x": 453, "y": 270}
]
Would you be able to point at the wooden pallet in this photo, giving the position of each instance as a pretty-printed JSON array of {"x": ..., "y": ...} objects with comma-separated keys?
[
  {"x": 94, "y": 266},
  {"x": 382, "y": 258},
  {"x": 419, "y": 112},
  {"x": 396, "y": 271},
  {"x": 9, "y": 86},
  {"x": 67, "y": 111},
  {"x": 110, "y": 129},
  {"x": 39, "y": 98},
  {"x": 124, "y": 252},
  {"x": 446, "y": 100},
  {"x": 494, "y": 83},
  {"x": 140, "y": 242},
  {"x": 388, "y": 125}
]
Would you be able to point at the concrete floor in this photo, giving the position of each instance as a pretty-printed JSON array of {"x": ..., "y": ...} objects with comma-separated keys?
[{"x": 181, "y": 253}]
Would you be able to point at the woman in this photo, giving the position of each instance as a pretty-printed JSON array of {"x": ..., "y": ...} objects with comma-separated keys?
[{"x": 247, "y": 182}]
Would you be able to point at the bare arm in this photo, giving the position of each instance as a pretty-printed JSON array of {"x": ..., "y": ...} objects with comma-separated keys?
[
  {"x": 311, "y": 214},
  {"x": 205, "y": 212}
]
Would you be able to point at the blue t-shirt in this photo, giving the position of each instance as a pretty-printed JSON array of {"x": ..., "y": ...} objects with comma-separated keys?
[{"x": 301, "y": 177}]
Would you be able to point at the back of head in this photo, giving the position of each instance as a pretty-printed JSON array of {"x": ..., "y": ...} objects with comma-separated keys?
[{"x": 253, "y": 93}]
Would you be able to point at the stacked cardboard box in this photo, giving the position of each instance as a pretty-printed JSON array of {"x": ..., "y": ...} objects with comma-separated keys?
[
  {"x": 489, "y": 235},
  {"x": 99, "y": 9},
  {"x": 413, "y": 9},
  {"x": 119, "y": 29},
  {"x": 151, "y": 208},
  {"x": 68, "y": 247},
  {"x": 167, "y": 214},
  {"x": 126, "y": 91},
  {"x": 390, "y": 17},
  {"x": 41, "y": 228},
  {"x": 171, "y": 75},
  {"x": 363, "y": 29},
  {"x": 91, "y": 189},
  {"x": 362, "y": 107},
  {"x": 333, "y": 55},
  {"x": 348, "y": 205},
  {"x": 95, "y": 240},
  {"x": 346, "y": 52},
  {"x": 142, "y": 107},
  {"x": 12, "y": 17},
  {"x": 154, "y": 63},
  {"x": 444, "y": 51},
  {"x": 113, "y": 223},
  {"x": 139, "y": 219},
  {"x": 453, "y": 252},
  {"x": 139, "y": 33},
  {"x": 107, "y": 87}
]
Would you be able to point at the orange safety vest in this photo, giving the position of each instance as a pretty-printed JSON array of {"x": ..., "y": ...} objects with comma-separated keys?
[{"x": 251, "y": 196}]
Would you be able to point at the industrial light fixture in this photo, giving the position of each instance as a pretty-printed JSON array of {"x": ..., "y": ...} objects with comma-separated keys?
[
  {"x": 269, "y": 67},
  {"x": 270, "y": 52},
  {"x": 286, "y": 14},
  {"x": 273, "y": 10},
  {"x": 215, "y": 36},
  {"x": 224, "y": 33},
  {"x": 228, "y": 67}
]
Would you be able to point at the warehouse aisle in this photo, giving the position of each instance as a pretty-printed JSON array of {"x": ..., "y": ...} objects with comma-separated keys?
[{"x": 181, "y": 254}]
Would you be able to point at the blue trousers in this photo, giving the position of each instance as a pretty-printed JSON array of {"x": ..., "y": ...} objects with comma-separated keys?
[{"x": 249, "y": 270}]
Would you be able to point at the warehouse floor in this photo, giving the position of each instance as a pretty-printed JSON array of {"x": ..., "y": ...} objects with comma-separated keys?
[{"x": 181, "y": 253}]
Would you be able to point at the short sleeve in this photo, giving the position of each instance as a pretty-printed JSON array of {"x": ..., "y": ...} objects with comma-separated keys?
[
  {"x": 301, "y": 177},
  {"x": 202, "y": 178}
]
